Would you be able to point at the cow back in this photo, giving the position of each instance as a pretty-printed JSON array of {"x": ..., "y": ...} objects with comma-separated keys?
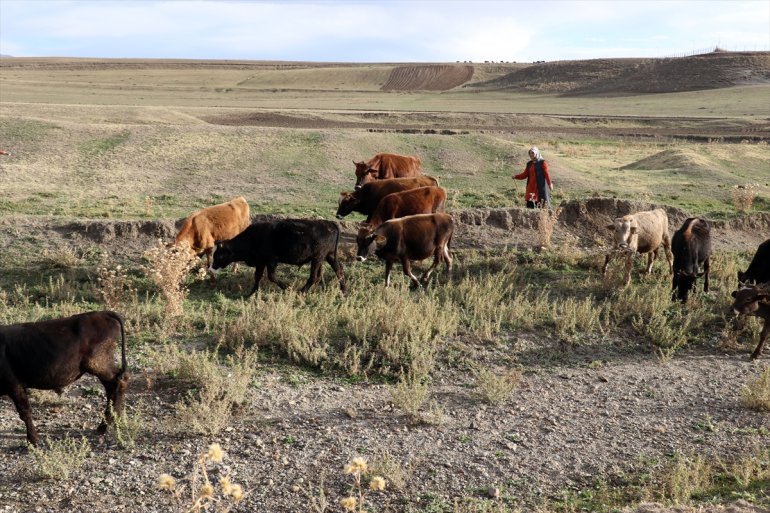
[
  {"x": 218, "y": 222},
  {"x": 372, "y": 193},
  {"x": 422, "y": 200},
  {"x": 416, "y": 236},
  {"x": 759, "y": 268},
  {"x": 691, "y": 245},
  {"x": 651, "y": 229}
]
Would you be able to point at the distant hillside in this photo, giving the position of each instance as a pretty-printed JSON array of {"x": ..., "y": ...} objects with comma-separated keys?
[
  {"x": 603, "y": 77},
  {"x": 619, "y": 76}
]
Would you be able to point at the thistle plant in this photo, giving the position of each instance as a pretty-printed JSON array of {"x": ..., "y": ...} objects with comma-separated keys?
[
  {"x": 203, "y": 494},
  {"x": 167, "y": 268},
  {"x": 355, "y": 501}
]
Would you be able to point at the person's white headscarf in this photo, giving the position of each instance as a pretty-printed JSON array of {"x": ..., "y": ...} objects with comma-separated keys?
[{"x": 534, "y": 150}]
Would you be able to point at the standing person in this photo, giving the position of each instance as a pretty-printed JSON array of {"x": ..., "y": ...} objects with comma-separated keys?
[{"x": 539, "y": 186}]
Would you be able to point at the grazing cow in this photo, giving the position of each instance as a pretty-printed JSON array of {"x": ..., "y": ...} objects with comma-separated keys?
[
  {"x": 387, "y": 165},
  {"x": 643, "y": 232},
  {"x": 366, "y": 199},
  {"x": 266, "y": 244},
  {"x": 691, "y": 246},
  {"x": 754, "y": 300},
  {"x": 414, "y": 238},
  {"x": 423, "y": 200},
  {"x": 759, "y": 268},
  {"x": 203, "y": 228},
  {"x": 50, "y": 355}
]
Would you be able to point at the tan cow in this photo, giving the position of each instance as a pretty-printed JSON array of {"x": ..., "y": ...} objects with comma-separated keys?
[
  {"x": 387, "y": 165},
  {"x": 642, "y": 232},
  {"x": 203, "y": 228}
]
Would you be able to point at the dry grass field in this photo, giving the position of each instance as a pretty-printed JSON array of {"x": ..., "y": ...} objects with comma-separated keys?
[{"x": 525, "y": 382}]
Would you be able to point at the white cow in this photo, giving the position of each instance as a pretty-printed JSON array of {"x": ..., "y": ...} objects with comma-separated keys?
[{"x": 642, "y": 232}]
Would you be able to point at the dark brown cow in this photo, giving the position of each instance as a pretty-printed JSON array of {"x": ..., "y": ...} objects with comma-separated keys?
[
  {"x": 266, "y": 244},
  {"x": 49, "y": 355},
  {"x": 204, "y": 227},
  {"x": 414, "y": 238},
  {"x": 387, "y": 165},
  {"x": 423, "y": 200},
  {"x": 366, "y": 199},
  {"x": 759, "y": 268},
  {"x": 754, "y": 300},
  {"x": 691, "y": 246}
]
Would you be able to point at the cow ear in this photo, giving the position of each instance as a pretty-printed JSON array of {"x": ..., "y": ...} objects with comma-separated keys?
[
  {"x": 380, "y": 239},
  {"x": 610, "y": 226},
  {"x": 632, "y": 229},
  {"x": 371, "y": 171},
  {"x": 734, "y": 293}
]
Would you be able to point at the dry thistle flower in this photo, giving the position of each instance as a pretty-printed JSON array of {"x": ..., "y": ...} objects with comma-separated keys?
[
  {"x": 166, "y": 482},
  {"x": 377, "y": 483},
  {"x": 226, "y": 485},
  {"x": 215, "y": 454},
  {"x": 356, "y": 465},
  {"x": 236, "y": 492},
  {"x": 348, "y": 503},
  {"x": 207, "y": 490}
]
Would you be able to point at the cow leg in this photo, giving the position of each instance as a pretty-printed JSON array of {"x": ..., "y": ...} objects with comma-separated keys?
[
  {"x": 706, "y": 266},
  {"x": 426, "y": 275},
  {"x": 315, "y": 275},
  {"x": 650, "y": 259},
  {"x": 762, "y": 337},
  {"x": 338, "y": 271},
  {"x": 21, "y": 401},
  {"x": 607, "y": 259},
  {"x": 388, "y": 269},
  {"x": 271, "y": 267},
  {"x": 667, "y": 251},
  {"x": 115, "y": 384},
  {"x": 260, "y": 270},
  {"x": 406, "y": 265}
]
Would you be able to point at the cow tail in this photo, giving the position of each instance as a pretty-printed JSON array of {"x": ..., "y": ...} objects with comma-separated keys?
[
  {"x": 124, "y": 363},
  {"x": 337, "y": 242}
]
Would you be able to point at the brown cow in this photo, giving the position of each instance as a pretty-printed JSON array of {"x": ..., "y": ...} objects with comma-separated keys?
[
  {"x": 423, "y": 200},
  {"x": 642, "y": 232},
  {"x": 414, "y": 238},
  {"x": 203, "y": 228},
  {"x": 50, "y": 355},
  {"x": 366, "y": 199},
  {"x": 387, "y": 165},
  {"x": 754, "y": 300}
]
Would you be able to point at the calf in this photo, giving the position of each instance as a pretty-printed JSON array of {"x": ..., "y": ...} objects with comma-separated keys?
[
  {"x": 50, "y": 355},
  {"x": 366, "y": 199},
  {"x": 203, "y": 228},
  {"x": 643, "y": 232},
  {"x": 759, "y": 268},
  {"x": 414, "y": 238},
  {"x": 288, "y": 241},
  {"x": 423, "y": 200},
  {"x": 754, "y": 300},
  {"x": 386, "y": 165},
  {"x": 691, "y": 246}
]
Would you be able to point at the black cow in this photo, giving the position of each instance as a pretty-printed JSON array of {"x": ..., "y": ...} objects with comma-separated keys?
[
  {"x": 759, "y": 268},
  {"x": 691, "y": 246},
  {"x": 266, "y": 244},
  {"x": 754, "y": 300},
  {"x": 49, "y": 355}
]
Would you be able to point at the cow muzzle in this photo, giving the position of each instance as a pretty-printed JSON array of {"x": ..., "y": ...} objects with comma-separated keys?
[
  {"x": 213, "y": 271},
  {"x": 340, "y": 216},
  {"x": 361, "y": 258}
]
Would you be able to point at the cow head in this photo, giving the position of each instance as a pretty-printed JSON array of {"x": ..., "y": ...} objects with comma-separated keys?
[
  {"x": 348, "y": 201},
  {"x": 748, "y": 298},
  {"x": 364, "y": 174},
  {"x": 365, "y": 241},
  {"x": 222, "y": 255},
  {"x": 684, "y": 282},
  {"x": 624, "y": 230}
]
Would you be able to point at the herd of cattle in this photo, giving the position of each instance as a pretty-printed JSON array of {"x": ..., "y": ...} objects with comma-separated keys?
[{"x": 405, "y": 222}]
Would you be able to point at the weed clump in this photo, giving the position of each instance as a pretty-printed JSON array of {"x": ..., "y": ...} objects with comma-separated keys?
[{"x": 58, "y": 459}]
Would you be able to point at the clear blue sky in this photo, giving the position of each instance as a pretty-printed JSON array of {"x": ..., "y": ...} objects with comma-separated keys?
[{"x": 381, "y": 31}]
